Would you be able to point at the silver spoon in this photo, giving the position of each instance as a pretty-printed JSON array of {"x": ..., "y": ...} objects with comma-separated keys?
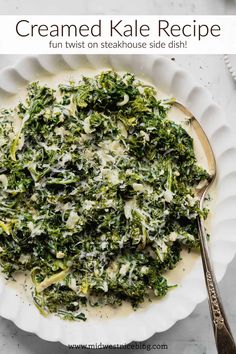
[{"x": 223, "y": 336}]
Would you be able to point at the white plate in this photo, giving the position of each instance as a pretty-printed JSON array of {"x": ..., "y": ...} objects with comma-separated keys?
[
  {"x": 230, "y": 61},
  {"x": 180, "y": 302}
]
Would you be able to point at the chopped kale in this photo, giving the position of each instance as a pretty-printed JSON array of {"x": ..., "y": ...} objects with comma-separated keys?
[{"x": 96, "y": 193}]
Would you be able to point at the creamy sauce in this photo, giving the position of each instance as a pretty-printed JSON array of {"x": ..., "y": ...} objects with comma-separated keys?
[{"x": 23, "y": 285}]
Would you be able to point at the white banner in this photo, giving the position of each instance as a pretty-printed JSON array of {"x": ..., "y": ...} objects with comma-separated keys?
[{"x": 117, "y": 34}]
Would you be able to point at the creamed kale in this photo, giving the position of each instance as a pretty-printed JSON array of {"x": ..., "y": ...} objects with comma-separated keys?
[{"x": 96, "y": 193}]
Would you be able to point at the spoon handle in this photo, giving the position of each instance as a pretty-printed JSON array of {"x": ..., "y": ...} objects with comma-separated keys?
[{"x": 223, "y": 336}]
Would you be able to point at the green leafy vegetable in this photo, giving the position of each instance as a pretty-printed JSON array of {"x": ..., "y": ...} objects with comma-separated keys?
[{"x": 96, "y": 193}]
